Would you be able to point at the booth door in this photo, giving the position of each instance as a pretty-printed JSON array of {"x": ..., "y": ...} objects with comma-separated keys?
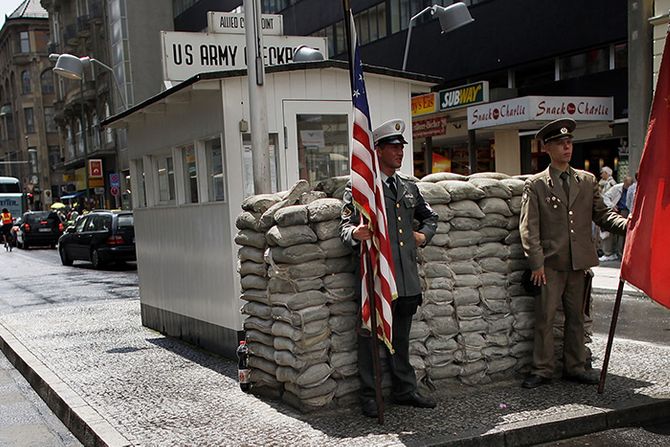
[{"x": 317, "y": 140}]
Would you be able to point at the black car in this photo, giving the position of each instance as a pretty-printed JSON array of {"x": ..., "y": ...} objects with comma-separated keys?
[
  {"x": 39, "y": 228},
  {"x": 99, "y": 237}
]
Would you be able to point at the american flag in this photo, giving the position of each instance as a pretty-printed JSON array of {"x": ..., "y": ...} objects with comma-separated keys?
[{"x": 368, "y": 197}]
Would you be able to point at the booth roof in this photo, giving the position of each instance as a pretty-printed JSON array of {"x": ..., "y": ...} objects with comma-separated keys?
[{"x": 295, "y": 66}]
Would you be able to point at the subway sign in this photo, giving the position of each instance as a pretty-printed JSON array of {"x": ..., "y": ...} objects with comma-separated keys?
[{"x": 465, "y": 95}]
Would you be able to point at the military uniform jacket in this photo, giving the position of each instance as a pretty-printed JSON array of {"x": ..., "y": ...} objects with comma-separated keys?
[
  {"x": 401, "y": 212},
  {"x": 556, "y": 230}
]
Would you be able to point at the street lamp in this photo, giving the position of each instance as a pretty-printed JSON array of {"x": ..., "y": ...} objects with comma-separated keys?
[
  {"x": 72, "y": 67},
  {"x": 452, "y": 17}
]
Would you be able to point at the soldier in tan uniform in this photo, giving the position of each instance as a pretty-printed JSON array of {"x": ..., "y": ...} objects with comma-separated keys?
[
  {"x": 404, "y": 205},
  {"x": 557, "y": 209}
]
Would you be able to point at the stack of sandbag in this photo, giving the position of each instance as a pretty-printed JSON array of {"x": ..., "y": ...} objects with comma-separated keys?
[{"x": 254, "y": 280}]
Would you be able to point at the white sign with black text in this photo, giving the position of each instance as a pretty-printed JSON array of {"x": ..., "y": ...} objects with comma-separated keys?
[
  {"x": 232, "y": 23},
  {"x": 187, "y": 54}
]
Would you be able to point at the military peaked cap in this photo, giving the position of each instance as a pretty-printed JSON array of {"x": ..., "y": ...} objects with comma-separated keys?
[
  {"x": 556, "y": 130},
  {"x": 390, "y": 132}
]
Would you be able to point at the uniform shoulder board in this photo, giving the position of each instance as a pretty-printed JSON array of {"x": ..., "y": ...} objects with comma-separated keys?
[{"x": 406, "y": 177}]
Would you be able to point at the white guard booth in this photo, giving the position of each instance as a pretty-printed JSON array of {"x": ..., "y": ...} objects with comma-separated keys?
[{"x": 190, "y": 164}]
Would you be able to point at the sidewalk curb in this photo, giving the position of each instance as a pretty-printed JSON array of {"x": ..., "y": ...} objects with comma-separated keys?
[
  {"x": 85, "y": 423},
  {"x": 93, "y": 430},
  {"x": 606, "y": 291}
]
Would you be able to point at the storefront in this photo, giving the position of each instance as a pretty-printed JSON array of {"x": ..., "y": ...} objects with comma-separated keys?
[
  {"x": 441, "y": 138},
  {"x": 190, "y": 160}
]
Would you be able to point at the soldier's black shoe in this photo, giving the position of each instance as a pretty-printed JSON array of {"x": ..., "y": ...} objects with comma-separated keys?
[
  {"x": 415, "y": 400},
  {"x": 369, "y": 408},
  {"x": 533, "y": 381},
  {"x": 590, "y": 377}
]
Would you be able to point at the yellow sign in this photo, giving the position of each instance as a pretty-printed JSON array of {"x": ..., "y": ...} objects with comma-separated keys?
[{"x": 424, "y": 104}]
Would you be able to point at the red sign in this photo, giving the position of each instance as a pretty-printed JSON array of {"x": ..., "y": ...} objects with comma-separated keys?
[
  {"x": 95, "y": 168},
  {"x": 114, "y": 190},
  {"x": 429, "y": 127}
]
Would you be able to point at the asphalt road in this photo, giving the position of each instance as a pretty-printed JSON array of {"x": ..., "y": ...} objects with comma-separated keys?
[{"x": 35, "y": 279}]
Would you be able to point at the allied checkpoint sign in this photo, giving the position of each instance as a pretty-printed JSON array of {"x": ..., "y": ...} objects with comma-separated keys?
[
  {"x": 233, "y": 23},
  {"x": 187, "y": 54}
]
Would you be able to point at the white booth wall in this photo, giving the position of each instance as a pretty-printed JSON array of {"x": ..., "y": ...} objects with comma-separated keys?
[{"x": 187, "y": 258}]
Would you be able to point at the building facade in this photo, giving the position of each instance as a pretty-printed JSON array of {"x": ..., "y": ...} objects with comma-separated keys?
[
  {"x": 29, "y": 146},
  {"x": 109, "y": 31}
]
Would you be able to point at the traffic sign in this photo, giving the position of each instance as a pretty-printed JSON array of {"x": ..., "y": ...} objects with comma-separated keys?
[
  {"x": 95, "y": 168},
  {"x": 115, "y": 179},
  {"x": 114, "y": 190}
]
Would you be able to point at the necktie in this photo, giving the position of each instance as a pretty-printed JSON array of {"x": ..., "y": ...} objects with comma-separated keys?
[
  {"x": 391, "y": 184},
  {"x": 566, "y": 184}
]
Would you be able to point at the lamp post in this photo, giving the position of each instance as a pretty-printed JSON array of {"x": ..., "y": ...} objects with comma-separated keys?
[
  {"x": 72, "y": 67},
  {"x": 452, "y": 17}
]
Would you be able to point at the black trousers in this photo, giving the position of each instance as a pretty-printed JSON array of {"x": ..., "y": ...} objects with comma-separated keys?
[{"x": 402, "y": 373}]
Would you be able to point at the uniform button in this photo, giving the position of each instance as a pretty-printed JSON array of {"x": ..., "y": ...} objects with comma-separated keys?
[
  {"x": 400, "y": 230},
  {"x": 402, "y": 243},
  {"x": 572, "y": 231},
  {"x": 570, "y": 212},
  {"x": 399, "y": 218},
  {"x": 555, "y": 206},
  {"x": 397, "y": 205},
  {"x": 572, "y": 221}
]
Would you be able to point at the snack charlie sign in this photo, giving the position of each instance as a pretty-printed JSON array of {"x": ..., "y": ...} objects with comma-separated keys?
[
  {"x": 232, "y": 23},
  {"x": 187, "y": 54},
  {"x": 540, "y": 108}
]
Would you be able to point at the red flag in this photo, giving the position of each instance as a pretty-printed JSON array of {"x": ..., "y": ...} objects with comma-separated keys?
[
  {"x": 368, "y": 197},
  {"x": 646, "y": 262}
]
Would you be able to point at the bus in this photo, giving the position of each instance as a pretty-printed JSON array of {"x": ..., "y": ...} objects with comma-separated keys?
[{"x": 11, "y": 196}]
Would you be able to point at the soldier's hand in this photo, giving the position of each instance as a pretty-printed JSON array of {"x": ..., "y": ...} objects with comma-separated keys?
[
  {"x": 419, "y": 238},
  {"x": 538, "y": 278},
  {"x": 362, "y": 233}
]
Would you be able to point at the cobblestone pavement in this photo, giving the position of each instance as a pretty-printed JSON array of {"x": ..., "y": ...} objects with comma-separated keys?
[{"x": 160, "y": 391}]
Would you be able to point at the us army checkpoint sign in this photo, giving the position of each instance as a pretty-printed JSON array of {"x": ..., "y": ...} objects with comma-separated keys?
[{"x": 187, "y": 54}]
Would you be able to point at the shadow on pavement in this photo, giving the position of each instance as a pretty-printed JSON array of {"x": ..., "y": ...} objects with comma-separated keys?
[{"x": 462, "y": 411}]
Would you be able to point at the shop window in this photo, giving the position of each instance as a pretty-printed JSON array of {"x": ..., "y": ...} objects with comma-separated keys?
[
  {"x": 215, "y": 172},
  {"x": 30, "y": 119},
  {"x": 323, "y": 146},
  {"x": 25, "y": 82},
  {"x": 166, "y": 187},
  {"x": 190, "y": 173}
]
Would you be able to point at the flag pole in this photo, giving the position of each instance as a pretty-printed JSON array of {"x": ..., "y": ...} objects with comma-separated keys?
[
  {"x": 374, "y": 343},
  {"x": 610, "y": 338}
]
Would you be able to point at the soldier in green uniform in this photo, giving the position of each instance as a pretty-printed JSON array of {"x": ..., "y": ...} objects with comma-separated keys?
[
  {"x": 558, "y": 206},
  {"x": 404, "y": 205}
]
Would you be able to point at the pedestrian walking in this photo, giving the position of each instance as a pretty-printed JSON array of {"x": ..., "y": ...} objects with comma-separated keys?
[
  {"x": 558, "y": 206},
  {"x": 404, "y": 204}
]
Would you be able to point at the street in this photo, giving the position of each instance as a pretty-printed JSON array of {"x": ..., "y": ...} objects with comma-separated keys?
[{"x": 35, "y": 281}]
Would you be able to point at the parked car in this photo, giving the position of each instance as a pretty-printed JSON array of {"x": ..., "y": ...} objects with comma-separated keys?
[
  {"x": 100, "y": 237},
  {"x": 39, "y": 228}
]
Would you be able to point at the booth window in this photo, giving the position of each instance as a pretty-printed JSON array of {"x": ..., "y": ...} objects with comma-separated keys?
[
  {"x": 190, "y": 173},
  {"x": 247, "y": 160},
  {"x": 166, "y": 189},
  {"x": 323, "y": 146},
  {"x": 215, "y": 175},
  {"x": 140, "y": 182}
]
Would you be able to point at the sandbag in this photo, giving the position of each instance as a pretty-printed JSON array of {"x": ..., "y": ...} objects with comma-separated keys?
[
  {"x": 253, "y": 282},
  {"x": 467, "y": 281},
  {"x": 247, "y": 221},
  {"x": 492, "y": 187},
  {"x": 514, "y": 184},
  {"x": 466, "y": 223},
  {"x": 324, "y": 209},
  {"x": 251, "y": 238},
  {"x": 492, "y": 249},
  {"x": 343, "y": 264},
  {"x": 432, "y": 310},
  {"x": 297, "y": 301},
  {"x": 495, "y": 220},
  {"x": 252, "y": 335},
  {"x": 259, "y": 203},
  {"x": 327, "y": 229},
  {"x": 332, "y": 184},
  {"x": 300, "y": 317},
  {"x": 442, "y": 176},
  {"x": 463, "y": 238},
  {"x": 433, "y": 193},
  {"x": 466, "y": 208},
  {"x": 253, "y": 268},
  {"x": 444, "y": 212},
  {"x": 437, "y": 270},
  {"x": 465, "y": 267},
  {"x": 258, "y": 324},
  {"x": 494, "y": 205},
  {"x": 464, "y": 296},
  {"x": 438, "y": 296},
  {"x": 494, "y": 265},
  {"x": 493, "y": 279},
  {"x": 492, "y": 175},
  {"x": 292, "y": 215},
  {"x": 460, "y": 190},
  {"x": 259, "y": 310},
  {"x": 492, "y": 234},
  {"x": 334, "y": 248},
  {"x": 290, "y": 285},
  {"x": 247, "y": 253},
  {"x": 311, "y": 270},
  {"x": 293, "y": 235},
  {"x": 297, "y": 254}
]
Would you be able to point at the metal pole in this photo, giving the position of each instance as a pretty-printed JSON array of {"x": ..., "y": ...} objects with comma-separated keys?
[
  {"x": 610, "y": 337},
  {"x": 409, "y": 35},
  {"x": 257, "y": 101},
  {"x": 83, "y": 136}
]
